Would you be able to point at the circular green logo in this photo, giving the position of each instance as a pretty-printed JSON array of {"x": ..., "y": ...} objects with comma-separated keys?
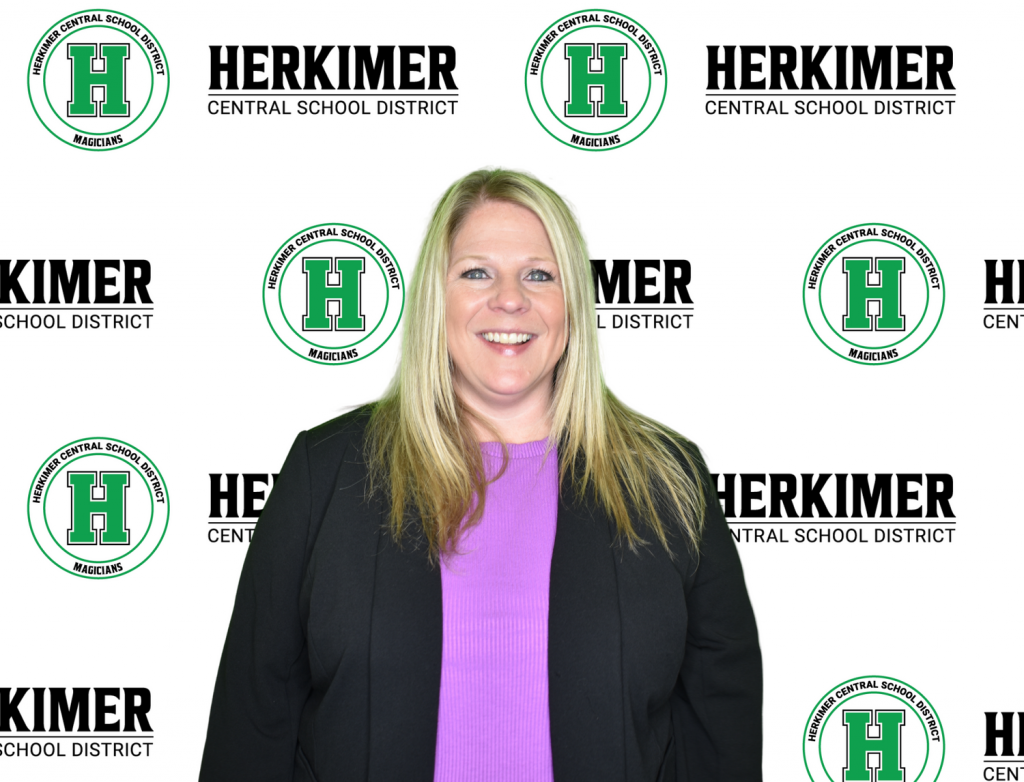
[
  {"x": 98, "y": 507},
  {"x": 874, "y": 293},
  {"x": 595, "y": 80},
  {"x": 874, "y": 728},
  {"x": 98, "y": 80},
  {"x": 333, "y": 294}
]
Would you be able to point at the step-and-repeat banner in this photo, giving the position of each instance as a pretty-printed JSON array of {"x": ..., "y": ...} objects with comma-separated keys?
[{"x": 803, "y": 222}]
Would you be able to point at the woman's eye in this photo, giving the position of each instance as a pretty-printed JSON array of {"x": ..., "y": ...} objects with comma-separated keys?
[
  {"x": 475, "y": 274},
  {"x": 539, "y": 275}
]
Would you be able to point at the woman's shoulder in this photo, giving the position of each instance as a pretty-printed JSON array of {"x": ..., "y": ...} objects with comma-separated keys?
[
  {"x": 340, "y": 433},
  {"x": 686, "y": 453},
  {"x": 334, "y": 444}
]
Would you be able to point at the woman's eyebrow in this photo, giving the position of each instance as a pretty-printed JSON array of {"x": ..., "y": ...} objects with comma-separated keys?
[{"x": 480, "y": 257}]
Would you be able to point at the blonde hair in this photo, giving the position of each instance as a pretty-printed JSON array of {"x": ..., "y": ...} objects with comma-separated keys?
[{"x": 421, "y": 449}]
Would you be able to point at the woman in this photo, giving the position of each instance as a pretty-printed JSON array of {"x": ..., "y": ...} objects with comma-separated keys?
[{"x": 498, "y": 571}]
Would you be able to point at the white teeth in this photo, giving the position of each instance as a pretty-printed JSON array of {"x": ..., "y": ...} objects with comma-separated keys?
[{"x": 505, "y": 338}]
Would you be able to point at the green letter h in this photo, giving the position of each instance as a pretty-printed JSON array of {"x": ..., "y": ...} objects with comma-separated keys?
[
  {"x": 609, "y": 79},
  {"x": 84, "y": 507},
  {"x": 84, "y": 78},
  {"x": 886, "y": 293},
  {"x": 319, "y": 292},
  {"x": 887, "y": 745}
]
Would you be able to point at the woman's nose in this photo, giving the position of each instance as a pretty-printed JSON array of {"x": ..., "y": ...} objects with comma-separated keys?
[{"x": 509, "y": 294}]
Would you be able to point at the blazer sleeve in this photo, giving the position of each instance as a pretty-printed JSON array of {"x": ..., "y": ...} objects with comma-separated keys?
[
  {"x": 720, "y": 682},
  {"x": 264, "y": 680}
]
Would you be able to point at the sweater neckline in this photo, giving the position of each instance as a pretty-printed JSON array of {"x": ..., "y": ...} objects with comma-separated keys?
[{"x": 529, "y": 450}]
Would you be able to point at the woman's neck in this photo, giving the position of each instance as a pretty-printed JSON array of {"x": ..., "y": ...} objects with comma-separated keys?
[{"x": 510, "y": 425}]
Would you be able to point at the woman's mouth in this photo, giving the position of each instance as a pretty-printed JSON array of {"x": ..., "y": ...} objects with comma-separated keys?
[{"x": 507, "y": 338}]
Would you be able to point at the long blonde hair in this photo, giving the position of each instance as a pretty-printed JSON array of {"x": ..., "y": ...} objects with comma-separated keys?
[{"x": 421, "y": 449}]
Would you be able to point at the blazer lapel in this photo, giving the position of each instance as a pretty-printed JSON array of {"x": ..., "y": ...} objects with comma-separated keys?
[
  {"x": 405, "y": 663},
  {"x": 585, "y": 648}
]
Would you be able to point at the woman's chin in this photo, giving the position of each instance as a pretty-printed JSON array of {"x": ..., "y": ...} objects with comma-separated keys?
[{"x": 504, "y": 392}]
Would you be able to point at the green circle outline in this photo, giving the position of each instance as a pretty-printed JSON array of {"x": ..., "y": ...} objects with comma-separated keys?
[
  {"x": 266, "y": 314},
  {"x": 167, "y": 70},
  {"x": 875, "y": 363},
  {"x": 526, "y": 83},
  {"x": 807, "y": 725},
  {"x": 149, "y": 98},
  {"x": 909, "y": 334},
  {"x": 167, "y": 497},
  {"x": 647, "y": 97},
  {"x": 387, "y": 300},
  {"x": 46, "y": 520}
]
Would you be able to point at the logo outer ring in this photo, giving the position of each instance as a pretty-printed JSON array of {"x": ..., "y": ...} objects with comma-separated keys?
[
  {"x": 401, "y": 303},
  {"x": 160, "y": 111},
  {"x": 526, "y": 80},
  {"x": 942, "y": 306},
  {"x": 917, "y": 692},
  {"x": 165, "y": 513}
]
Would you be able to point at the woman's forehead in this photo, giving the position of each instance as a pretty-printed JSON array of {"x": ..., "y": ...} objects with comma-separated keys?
[{"x": 501, "y": 229}]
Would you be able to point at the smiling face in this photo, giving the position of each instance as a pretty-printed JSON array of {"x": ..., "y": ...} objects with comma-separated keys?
[{"x": 505, "y": 315}]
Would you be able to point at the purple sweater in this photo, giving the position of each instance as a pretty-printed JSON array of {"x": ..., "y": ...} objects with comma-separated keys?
[{"x": 493, "y": 718}]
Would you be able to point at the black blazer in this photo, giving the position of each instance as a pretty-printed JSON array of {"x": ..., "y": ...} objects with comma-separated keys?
[{"x": 332, "y": 665}]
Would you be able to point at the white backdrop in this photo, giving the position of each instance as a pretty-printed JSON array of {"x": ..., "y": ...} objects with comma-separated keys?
[{"x": 747, "y": 200}]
